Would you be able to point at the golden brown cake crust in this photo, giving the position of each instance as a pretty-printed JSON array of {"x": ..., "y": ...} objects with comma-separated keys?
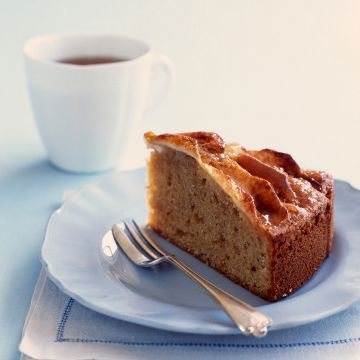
[
  {"x": 268, "y": 185},
  {"x": 291, "y": 208}
]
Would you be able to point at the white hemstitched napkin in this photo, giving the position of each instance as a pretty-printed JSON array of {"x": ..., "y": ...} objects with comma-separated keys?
[{"x": 58, "y": 328}]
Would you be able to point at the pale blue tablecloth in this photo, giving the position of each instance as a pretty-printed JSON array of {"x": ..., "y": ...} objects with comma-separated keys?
[{"x": 30, "y": 189}]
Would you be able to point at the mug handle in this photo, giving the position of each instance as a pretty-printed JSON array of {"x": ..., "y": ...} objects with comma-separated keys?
[{"x": 163, "y": 66}]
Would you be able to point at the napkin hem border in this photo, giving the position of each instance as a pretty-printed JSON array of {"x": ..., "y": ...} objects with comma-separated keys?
[{"x": 60, "y": 338}]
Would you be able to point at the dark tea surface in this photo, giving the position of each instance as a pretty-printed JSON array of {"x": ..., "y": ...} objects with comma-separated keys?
[{"x": 91, "y": 60}]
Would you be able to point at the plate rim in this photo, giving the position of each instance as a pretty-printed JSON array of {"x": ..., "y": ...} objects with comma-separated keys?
[{"x": 354, "y": 296}]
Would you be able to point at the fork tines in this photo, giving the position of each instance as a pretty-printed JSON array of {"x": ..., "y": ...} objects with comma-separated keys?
[{"x": 142, "y": 240}]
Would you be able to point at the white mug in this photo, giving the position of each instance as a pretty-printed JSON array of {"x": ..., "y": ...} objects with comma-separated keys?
[{"x": 86, "y": 113}]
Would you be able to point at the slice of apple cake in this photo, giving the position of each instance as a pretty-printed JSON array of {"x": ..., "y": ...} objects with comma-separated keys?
[{"x": 254, "y": 216}]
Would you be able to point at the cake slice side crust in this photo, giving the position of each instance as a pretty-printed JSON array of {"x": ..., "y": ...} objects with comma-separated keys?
[{"x": 299, "y": 252}]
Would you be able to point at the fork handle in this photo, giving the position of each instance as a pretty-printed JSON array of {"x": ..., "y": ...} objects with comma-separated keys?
[{"x": 247, "y": 319}]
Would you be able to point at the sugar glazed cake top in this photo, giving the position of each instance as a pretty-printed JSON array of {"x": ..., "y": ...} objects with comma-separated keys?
[{"x": 267, "y": 185}]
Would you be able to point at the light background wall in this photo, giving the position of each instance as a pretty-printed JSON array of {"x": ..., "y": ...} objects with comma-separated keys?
[{"x": 283, "y": 74}]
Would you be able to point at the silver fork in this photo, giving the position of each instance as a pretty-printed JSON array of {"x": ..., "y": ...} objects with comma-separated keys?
[{"x": 247, "y": 319}]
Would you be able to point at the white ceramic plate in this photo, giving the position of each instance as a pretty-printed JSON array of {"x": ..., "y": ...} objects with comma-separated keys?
[{"x": 163, "y": 297}]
